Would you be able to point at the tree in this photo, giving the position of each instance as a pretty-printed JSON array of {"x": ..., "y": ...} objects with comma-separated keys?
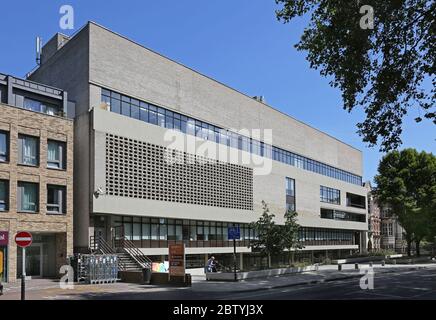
[
  {"x": 290, "y": 237},
  {"x": 269, "y": 239},
  {"x": 386, "y": 67},
  {"x": 406, "y": 183}
]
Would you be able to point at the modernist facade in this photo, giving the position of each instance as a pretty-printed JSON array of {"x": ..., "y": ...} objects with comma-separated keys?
[
  {"x": 144, "y": 130},
  {"x": 36, "y": 170}
]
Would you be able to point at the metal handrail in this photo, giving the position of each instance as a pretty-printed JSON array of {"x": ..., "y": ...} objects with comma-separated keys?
[
  {"x": 135, "y": 253},
  {"x": 120, "y": 241}
]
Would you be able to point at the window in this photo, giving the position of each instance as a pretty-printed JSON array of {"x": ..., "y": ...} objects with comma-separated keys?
[
  {"x": 290, "y": 194},
  {"x": 56, "y": 199},
  {"x": 355, "y": 200},
  {"x": 27, "y": 197},
  {"x": 330, "y": 195},
  {"x": 4, "y": 195},
  {"x": 39, "y": 106},
  {"x": 28, "y": 150},
  {"x": 387, "y": 229},
  {"x": 342, "y": 215},
  {"x": 4, "y": 146},
  {"x": 56, "y": 154}
]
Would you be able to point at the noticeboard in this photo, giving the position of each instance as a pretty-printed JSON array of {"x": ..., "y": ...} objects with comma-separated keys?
[{"x": 176, "y": 259}]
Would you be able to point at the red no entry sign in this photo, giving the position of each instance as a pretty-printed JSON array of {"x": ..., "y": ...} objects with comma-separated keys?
[{"x": 23, "y": 239}]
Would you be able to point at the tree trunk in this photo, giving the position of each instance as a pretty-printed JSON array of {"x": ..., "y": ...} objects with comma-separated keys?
[
  {"x": 409, "y": 248},
  {"x": 418, "y": 251},
  {"x": 269, "y": 261},
  {"x": 291, "y": 257}
]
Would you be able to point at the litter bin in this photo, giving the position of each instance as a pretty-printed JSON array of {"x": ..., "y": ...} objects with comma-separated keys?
[{"x": 147, "y": 276}]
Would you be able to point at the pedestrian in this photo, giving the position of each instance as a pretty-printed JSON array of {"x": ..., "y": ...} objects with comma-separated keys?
[
  {"x": 215, "y": 266},
  {"x": 210, "y": 264}
]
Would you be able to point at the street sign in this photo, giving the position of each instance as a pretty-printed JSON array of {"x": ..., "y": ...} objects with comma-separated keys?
[
  {"x": 23, "y": 239},
  {"x": 176, "y": 259},
  {"x": 233, "y": 233}
]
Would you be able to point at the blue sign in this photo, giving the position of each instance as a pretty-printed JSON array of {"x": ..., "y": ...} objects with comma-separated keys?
[{"x": 234, "y": 233}]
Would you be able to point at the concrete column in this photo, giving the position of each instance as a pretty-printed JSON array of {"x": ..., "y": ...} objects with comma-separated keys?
[
  {"x": 65, "y": 103},
  {"x": 241, "y": 261},
  {"x": 10, "y": 94}
]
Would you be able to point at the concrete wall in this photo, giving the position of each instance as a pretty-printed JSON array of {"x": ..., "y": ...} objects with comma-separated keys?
[
  {"x": 68, "y": 68},
  {"x": 270, "y": 188},
  {"x": 124, "y": 66}
]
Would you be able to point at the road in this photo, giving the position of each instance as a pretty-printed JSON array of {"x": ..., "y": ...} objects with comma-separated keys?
[
  {"x": 400, "y": 284},
  {"x": 418, "y": 284}
]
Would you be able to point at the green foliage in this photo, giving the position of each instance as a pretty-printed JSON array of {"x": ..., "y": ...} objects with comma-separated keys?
[
  {"x": 290, "y": 234},
  {"x": 269, "y": 238},
  {"x": 406, "y": 182},
  {"x": 388, "y": 70},
  {"x": 272, "y": 239}
]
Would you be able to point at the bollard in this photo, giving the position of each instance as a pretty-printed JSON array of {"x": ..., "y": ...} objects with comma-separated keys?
[
  {"x": 356, "y": 266},
  {"x": 339, "y": 267}
]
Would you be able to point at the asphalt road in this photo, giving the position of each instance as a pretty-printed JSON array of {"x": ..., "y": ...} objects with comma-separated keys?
[
  {"x": 401, "y": 284},
  {"x": 418, "y": 284}
]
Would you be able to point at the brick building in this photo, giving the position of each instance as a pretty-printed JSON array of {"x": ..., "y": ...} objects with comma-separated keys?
[{"x": 36, "y": 177}]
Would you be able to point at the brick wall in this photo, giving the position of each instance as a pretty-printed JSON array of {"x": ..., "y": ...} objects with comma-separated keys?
[{"x": 18, "y": 121}]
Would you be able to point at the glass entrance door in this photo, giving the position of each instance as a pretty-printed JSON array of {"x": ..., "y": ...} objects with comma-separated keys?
[{"x": 34, "y": 260}]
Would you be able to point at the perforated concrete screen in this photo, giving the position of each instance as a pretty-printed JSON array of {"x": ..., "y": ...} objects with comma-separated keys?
[{"x": 138, "y": 169}]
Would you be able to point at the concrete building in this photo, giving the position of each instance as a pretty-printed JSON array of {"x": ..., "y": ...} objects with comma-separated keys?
[
  {"x": 36, "y": 177},
  {"x": 374, "y": 220},
  {"x": 144, "y": 130}
]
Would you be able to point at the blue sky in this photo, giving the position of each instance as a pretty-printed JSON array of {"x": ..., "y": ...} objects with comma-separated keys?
[{"x": 239, "y": 43}]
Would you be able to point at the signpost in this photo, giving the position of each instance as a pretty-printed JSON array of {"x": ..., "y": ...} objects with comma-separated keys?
[
  {"x": 234, "y": 233},
  {"x": 176, "y": 259},
  {"x": 23, "y": 239}
]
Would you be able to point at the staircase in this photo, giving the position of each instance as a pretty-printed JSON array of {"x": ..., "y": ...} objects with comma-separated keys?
[
  {"x": 128, "y": 263},
  {"x": 130, "y": 258}
]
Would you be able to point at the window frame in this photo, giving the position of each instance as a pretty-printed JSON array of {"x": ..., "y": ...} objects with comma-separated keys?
[
  {"x": 5, "y": 201},
  {"x": 22, "y": 137},
  {"x": 61, "y": 146},
  {"x": 5, "y": 155},
  {"x": 21, "y": 184},
  {"x": 62, "y": 199}
]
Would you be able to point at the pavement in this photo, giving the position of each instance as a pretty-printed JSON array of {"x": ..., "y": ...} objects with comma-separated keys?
[{"x": 394, "y": 281}]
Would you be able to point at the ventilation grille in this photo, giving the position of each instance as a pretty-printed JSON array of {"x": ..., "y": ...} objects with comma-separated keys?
[{"x": 138, "y": 169}]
